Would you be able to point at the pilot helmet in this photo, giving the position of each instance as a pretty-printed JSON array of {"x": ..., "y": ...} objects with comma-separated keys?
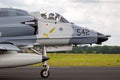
[{"x": 51, "y": 14}]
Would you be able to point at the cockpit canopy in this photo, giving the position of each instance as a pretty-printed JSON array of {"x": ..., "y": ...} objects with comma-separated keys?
[
  {"x": 10, "y": 12},
  {"x": 54, "y": 17}
]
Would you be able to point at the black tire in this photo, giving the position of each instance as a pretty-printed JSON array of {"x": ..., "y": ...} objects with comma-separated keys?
[{"x": 44, "y": 73}]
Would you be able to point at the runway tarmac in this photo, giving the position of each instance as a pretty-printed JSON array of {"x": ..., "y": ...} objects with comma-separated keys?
[{"x": 62, "y": 73}]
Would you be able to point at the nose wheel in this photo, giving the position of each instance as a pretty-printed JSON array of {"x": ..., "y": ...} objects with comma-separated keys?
[{"x": 45, "y": 72}]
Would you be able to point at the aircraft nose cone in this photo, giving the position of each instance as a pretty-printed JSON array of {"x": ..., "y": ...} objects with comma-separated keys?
[
  {"x": 44, "y": 58},
  {"x": 102, "y": 38}
]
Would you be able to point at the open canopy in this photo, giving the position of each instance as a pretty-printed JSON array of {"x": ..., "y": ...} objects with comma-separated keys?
[{"x": 54, "y": 16}]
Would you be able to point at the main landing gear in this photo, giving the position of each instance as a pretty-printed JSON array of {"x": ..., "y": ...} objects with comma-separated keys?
[{"x": 45, "y": 71}]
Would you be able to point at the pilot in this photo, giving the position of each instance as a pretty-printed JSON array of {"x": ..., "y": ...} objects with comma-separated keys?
[
  {"x": 44, "y": 16},
  {"x": 51, "y": 16}
]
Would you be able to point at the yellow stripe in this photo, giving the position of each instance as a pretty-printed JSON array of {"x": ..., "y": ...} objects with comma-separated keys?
[
  {"x": 53, "y": 29},
  {"x": 45, "y": 35}
]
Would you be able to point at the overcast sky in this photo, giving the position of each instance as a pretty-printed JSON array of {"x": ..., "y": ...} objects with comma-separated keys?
[{"x": 101, "y": 15}]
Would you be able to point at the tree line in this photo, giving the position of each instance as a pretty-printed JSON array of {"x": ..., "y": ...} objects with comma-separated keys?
[{"x": 96, "y": 49}]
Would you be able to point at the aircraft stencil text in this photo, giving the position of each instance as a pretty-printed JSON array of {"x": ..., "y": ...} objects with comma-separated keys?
[{"x": 82, "y": 32}]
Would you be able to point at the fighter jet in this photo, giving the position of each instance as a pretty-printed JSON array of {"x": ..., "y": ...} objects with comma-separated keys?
[{"x": 21, "y": 29}]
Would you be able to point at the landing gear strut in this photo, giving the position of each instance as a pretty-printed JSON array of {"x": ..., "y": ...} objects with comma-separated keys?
[{"x": 45, "y": 71}]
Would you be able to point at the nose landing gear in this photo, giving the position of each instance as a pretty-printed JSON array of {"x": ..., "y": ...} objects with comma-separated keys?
[{"x": 45, "y": 71}]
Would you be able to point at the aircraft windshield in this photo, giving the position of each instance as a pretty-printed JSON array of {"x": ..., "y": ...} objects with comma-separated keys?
[
  {"x": 61, "y": 18},
  {"x": 54, "y": 16}
]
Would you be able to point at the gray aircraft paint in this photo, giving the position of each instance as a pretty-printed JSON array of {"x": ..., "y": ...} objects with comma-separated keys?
[{"x": 64, "y": 33}]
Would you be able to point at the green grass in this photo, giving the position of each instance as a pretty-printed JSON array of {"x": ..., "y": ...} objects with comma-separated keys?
[{"x": 83, "y": 60}]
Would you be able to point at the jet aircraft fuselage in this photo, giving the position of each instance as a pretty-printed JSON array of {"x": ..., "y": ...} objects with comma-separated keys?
[{"x": 20, "y": 29}]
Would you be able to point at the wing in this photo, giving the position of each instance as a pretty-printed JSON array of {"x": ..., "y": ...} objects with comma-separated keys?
[{"x": 9, "y": 47}]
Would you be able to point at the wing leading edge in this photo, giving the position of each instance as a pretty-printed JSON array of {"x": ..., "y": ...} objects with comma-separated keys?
[{"x": 9, "y": 47}]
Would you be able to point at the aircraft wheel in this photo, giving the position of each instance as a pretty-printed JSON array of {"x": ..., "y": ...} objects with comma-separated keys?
[{"x": 45, "y": 73}]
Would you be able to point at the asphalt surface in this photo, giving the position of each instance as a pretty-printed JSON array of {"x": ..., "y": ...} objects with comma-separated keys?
[{"x": 62, "y": 73}]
